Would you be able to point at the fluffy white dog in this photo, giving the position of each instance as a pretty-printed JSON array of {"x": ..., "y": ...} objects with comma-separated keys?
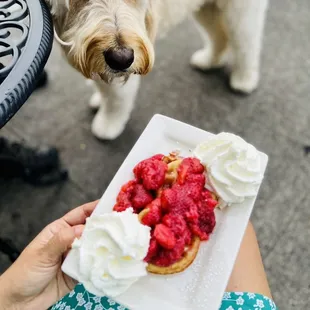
[{"x": 112, "y": 43}]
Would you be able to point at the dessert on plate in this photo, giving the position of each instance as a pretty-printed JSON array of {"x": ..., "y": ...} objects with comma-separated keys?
[{"x": 163, "y": 214}]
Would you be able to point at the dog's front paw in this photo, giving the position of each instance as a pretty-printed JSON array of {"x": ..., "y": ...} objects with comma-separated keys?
[
  {"x": 95, "y": 101},
  {"x": 202, "y": 59},
  {"x": 107, "y": 128},
  {"x": 244, "y": 81}
]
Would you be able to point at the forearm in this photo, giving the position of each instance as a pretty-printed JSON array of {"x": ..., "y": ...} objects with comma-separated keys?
[
  {"x": 248, "y": 274},
  {"x": 7, "y": 295}
]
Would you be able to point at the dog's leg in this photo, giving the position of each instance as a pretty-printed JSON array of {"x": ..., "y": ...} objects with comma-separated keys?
[
  {"x": 209, "y": 23},
  {"x": 245, "y": 24},
  {"x": 115, "y": 109},
  {"x": 97, "y": 98}
]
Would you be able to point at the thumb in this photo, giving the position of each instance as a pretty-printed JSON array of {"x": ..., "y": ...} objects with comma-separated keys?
[{"x": 59, "y": 244}]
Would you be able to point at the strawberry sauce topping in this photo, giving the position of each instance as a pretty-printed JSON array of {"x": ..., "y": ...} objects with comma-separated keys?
[{"x": 176, "y": 212}]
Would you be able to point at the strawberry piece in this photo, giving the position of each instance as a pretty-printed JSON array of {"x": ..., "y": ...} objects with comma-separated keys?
[
  {"x": 140, "y": 166},
  {"x": 168, "y": 199},
  {"x": 207, "y": 194},
  {"x": 194, "y": 190},
  {"x": 120, "y": 207},
  {"x": 158, "y": 157},
  {"x": 123, "y": 202},
  {"x": 153, "y": 217},
  {"x": 141, "y": 197},
  {"x": 178, "y": 199},
  {"x": 167, "y": 257},
  {"x": 164, "y": 236},
  {"x": 178, "y": 226},
  {"x": 184, "y": 202},
  {"x": 192, "y": 215},
  {"x": 154, "y": 175},
  {"x": 151, "y": 172},
  {"x": 206, "y": 222},
  {"x": 195, "y": 165},
  {"x": 187, "y": 237},
  {"x": 176, "y": 223},
  {"x": 129, "y": 187},
  {"x": 198, "y": 179},
  {"x": 212, "y": 203},
  {"x": 187, "y": 167},
  {"x": 209, "y": 198},
  {"x": 153, "y": 250}
]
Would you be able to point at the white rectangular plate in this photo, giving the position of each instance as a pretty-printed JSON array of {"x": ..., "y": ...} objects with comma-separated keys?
[{"x": 202, "y": 285}]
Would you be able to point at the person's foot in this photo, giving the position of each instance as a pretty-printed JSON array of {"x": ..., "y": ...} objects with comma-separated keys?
[
  {"x": 34, "y": 164},
  {"x": 8, "y": 248},
  {"x": 42, "y": 80}
]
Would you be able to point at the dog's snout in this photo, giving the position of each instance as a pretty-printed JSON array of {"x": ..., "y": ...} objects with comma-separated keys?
[{"x": 119, "y": 59}]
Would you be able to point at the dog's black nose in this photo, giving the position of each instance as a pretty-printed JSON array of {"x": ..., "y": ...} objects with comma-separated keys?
[{"x": 119, "y": 59}]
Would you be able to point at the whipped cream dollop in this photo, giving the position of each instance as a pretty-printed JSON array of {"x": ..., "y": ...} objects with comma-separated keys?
[
  {"x": 233, "y": 167},
  {"x": 111, "y": 252}
]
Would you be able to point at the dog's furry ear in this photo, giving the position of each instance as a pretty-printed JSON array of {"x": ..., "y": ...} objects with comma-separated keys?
[
  {"x": 58, "y": 8},
  {"x": 151, "y": 20}
]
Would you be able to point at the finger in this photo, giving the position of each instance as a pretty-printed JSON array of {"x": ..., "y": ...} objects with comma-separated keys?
[
  {"x": 79, "y": 215},
  {"x": 78, "y": 230},
  {"x": 48, "y": 233},
  {"x": 59, "y": 244},
  {"x": 76, "y": 217}
]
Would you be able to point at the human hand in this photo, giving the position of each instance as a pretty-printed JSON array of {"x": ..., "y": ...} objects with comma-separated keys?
[{"x": 35, "y": 281}]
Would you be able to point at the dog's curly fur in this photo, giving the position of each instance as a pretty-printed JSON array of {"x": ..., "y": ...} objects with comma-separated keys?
[{"x": 231, "y": 30}]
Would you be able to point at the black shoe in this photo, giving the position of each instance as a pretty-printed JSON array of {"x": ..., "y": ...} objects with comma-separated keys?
[
  {"x": 42, "y": 80},
  {"x": 8, "y": 248},
  {"x": 38, "y": 165}
]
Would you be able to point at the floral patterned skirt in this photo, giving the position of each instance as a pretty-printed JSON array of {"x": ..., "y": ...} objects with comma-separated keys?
[{"x": 80, "y": 299}]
